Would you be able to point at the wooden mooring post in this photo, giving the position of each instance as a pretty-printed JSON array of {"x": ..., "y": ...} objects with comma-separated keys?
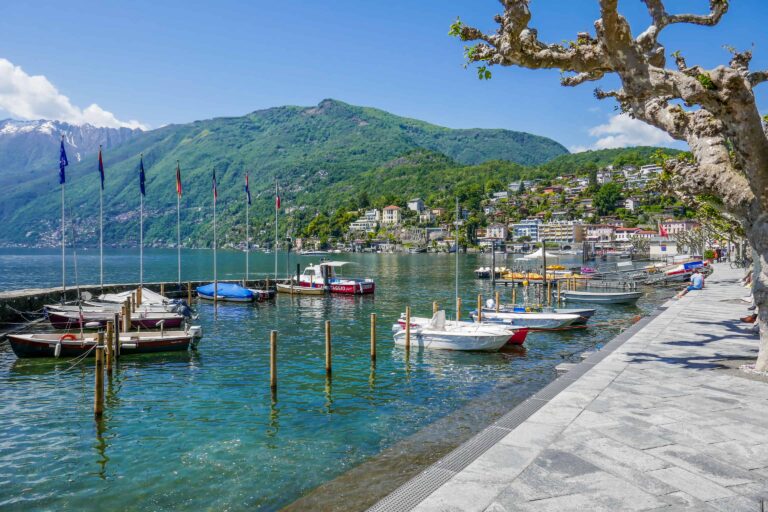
[
  {"x": 479, "y": 307},
  {"x": 189, "y": 293},
  {"x": 407, "y": 328},
  {"x": 273, "y": 361},
  {"x": 138, "y": 297},
  {"x": 435, "y": 307},
  {"x": 328, "y": 363},
  {"x": 373, "y": 338},
  {"x": 514, "y": 294},
  {"x": 559, "y": 298},
  {"x": 498, "y": 301},
  {"x": 458, "y": 308},
  {"x": 162, "y": 289},
  {"x": 116, "y": 336},
  {"x": 98, "y": 392},
  {"x": 109, "y": 347}
]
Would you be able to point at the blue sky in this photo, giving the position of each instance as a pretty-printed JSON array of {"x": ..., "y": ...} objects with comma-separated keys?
[{"x": 160, "y": 62}]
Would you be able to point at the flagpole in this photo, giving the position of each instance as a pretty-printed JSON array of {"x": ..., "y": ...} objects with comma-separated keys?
[
  {"x": 63, "y": 254},
  {"x": 141, "y": 242},
  {"x": 215, "y": 291},
  {"x": 276, "y": 242},
  {"x": 247, "y": 243},
  {"x": 178, "y": 233},
  {"x": 101, "y": 233}
]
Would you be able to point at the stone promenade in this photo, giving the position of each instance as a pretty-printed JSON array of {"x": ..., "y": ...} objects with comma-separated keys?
[{"x": 659, "y": 423}]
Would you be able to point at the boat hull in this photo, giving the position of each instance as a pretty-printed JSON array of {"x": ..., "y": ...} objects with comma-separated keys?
[
  {"x": 355, "y": 288},
  {"x": 602, "y": 297},
  {"x": 584, "y": 314},
  {"x": 445, "y": 341},
  {"x": 299, "y": 290},
  {"x": 63, "y": 320},
  {"x": 27, "y": 346},
  {"x": 534, "y": 321},
  {"x": 517, "y": 334},
  {"x": 222, "y": 298}
]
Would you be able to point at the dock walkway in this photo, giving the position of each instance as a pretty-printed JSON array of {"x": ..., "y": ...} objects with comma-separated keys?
[{"x": 659, "y": 419}]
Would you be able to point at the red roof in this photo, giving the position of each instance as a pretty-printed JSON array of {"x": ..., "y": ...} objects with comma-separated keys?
[{"x": 392, "y": 207}]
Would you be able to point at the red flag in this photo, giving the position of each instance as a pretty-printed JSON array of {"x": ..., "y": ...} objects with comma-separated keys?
[
  {"x": 277, "y": 202},
  {"x": 662, "y": 230},
  {"x": 178, "y": 179}
]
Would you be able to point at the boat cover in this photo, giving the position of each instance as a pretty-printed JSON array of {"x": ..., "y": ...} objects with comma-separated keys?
[
  {"x": 147, "y": 297},
  {"x": 231, "y": 290}
]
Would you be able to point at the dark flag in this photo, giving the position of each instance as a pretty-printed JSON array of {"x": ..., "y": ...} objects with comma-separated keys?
[
  {"x": 178, "y": 179},
  {"x": 142, "y": 177},
  {"x": 101, "y": 168},
  {"x": 247, "y": 189},
  {"x": 215, "y": 194},
  {"x": 63, "y": 162}
]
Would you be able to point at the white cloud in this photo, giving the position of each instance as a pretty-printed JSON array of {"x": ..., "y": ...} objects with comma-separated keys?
[
  {"x": 621, "y": 131},
  {"x": 578, "y": 149},
  {"x": 34, "y": 97}
]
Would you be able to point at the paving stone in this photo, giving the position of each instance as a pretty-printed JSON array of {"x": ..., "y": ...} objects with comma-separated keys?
[
  {"x": 703, "y": 465},
  {"x": 636, "y": 437},
  {"x": 735, "y": 504},
  {"x": 695, "y": 485}
]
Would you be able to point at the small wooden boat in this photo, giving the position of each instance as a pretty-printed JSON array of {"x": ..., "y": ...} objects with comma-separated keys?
[
  {"x": 261, "y": 295},
  {"x": 225, "y": 292},
  {"x": 297, "y": 289},
  {"x": 139, "y": 319},
  {"x": 70, "y": 345},
  {"x": 602, "y": 297},
  {"x": 537, "y": 321},
  {"x": 456, "y": 336},
  {"x": 518, "y": 333}
]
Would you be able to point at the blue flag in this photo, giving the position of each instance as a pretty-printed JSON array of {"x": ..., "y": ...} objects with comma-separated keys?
[
  {"x": 141, "y": 176},
  {"x": 247, "y": 188},
  {"x": 63, "y": 162},
  {"x": 101, "y": 169}
]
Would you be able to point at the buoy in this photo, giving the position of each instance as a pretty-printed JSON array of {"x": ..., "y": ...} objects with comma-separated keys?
[{"x": 57, "y": 350}]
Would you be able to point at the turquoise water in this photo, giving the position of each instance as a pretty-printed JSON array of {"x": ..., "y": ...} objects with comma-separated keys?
[{"x": 200, "y": 431}]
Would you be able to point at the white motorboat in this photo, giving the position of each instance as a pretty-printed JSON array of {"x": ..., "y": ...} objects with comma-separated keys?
[
  {"x": 517, "y": 333},
  {"x": 540, "y": 321},
  {"x": 439, "y": 334},
  {"x": 602, "y": 297}
]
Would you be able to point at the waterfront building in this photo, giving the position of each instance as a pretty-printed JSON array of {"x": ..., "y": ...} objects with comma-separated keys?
[
  {"x": 497, "y": 231},
  {"x": 661, "y": 248},
  {"x": 563, "y": 232},
  {"x": 672, "y": 227},
  {"x": 600, "y": 232},
  {"x": 625, "y": 234}
]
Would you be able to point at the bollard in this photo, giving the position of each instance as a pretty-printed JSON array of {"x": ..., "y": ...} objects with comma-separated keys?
[
  {"x": 373, "y": 337},
  {"x": 498, "y": 301},
  {"x": 458, "y": 309},
  {"x": 107, "y": 346},
  {"x": 98, "y": 392},
  {"x": 434, "y": 307},
  {"x": 273, "y": 360},
  {"x": 328, "y": 368},
  {"x": 407, "y": 327},
  {"x": 189, "y": 293},
  {"x": 479, "y": 307}
]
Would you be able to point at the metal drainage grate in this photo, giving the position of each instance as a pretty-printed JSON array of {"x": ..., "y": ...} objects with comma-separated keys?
[
  {"x": 465, "y": 454},
  {"x": 414, "y": 491}
]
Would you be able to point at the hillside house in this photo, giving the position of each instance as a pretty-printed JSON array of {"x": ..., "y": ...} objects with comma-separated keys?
[
  {"x": 392, "y": 215},
  {"x": 416, "y": 205}
]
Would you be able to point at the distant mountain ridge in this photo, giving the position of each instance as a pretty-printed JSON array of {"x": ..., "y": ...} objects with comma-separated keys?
[{"x": 309, "y": 149}]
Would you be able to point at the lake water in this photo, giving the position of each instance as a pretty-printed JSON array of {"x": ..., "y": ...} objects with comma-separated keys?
[{"x": 200, "y": 431}]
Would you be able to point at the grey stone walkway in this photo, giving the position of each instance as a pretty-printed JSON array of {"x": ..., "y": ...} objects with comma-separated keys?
[{"x": 658, "y": 424}]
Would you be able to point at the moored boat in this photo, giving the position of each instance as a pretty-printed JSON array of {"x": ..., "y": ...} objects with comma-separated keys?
[
  {"x": 457, "y": 336},
  {"x": 225, "y": 292},
  {"x": 584, "y": 314},
  {"x": 297, "y": 289},
  {"x": 70, "y": 345},
  {"x": 139, "y": 319},
  {"x": 602, "y": 297},
  {"x": 517, "y": 333},
  {"x": 537, "y": 321},
  {"x": 324, "y": 276}
]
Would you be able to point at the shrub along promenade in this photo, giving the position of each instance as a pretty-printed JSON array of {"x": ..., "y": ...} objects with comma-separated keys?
[{"x": 659, "y": 419}]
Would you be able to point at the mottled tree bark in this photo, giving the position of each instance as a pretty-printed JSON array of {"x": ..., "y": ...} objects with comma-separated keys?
[{"x": 713, "y": 110}]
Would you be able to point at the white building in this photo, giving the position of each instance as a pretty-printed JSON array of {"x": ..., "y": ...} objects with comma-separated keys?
[
  {"x": 526, "y": 227},
  {"x": 625, "y": 234},
  {"x": 562, "y": 232},
  {"x": 600, "y": 232},
  {"x": 662, "y": 248},
  {"x": 604, "y": 177},
  {"x": 631, "y": 204},
  {"x": 427, "y": 217},
  {"x": 498, "y": 231},
  {"x": 416, "y": 205},
  {"x": 672, "y": 227},
  {"x": 392, "y": 215}
]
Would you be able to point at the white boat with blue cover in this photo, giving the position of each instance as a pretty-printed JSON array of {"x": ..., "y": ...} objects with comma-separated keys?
[{"x": 225, "y": 292}]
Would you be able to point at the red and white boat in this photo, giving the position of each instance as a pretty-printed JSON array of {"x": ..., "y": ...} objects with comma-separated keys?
[{"x": 324, "y": 276}]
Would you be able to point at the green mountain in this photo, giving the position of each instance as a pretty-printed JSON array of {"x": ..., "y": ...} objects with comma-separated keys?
[{"x": 317, "y": 153}]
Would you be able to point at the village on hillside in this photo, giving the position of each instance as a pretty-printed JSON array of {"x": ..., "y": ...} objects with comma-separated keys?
[{"x": 614, "y": 209}]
